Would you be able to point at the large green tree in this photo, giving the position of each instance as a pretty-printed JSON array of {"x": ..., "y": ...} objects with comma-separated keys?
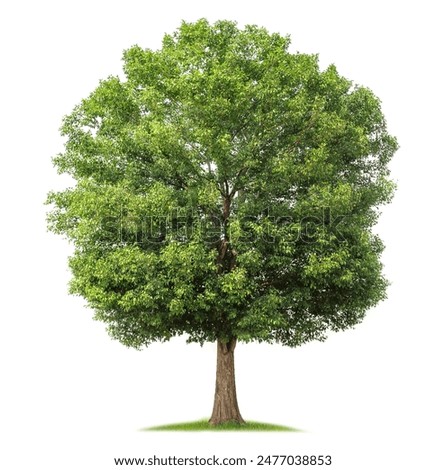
[{"x": 226, "y": 189}]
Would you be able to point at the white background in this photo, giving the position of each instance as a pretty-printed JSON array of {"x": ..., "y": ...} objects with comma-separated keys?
[{"x": 71, "y": 398}]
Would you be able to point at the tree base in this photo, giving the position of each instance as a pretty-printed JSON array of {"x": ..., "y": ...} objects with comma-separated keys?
[
  {"x": 240, "y": 421},
  {"x": 225, "y": 400}
]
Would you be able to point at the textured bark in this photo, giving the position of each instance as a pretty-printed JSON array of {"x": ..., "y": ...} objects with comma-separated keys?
[{"x": 225, "y": 399}]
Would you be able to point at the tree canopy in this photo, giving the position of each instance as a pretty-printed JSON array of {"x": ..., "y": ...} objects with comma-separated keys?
[{"x": 226, "y": 187}]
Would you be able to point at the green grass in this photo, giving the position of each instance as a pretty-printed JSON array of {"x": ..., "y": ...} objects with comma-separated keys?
[{"x": 203, "y": 425}]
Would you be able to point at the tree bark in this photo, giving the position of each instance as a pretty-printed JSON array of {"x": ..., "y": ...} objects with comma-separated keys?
[{"x": 225, "y": 399}]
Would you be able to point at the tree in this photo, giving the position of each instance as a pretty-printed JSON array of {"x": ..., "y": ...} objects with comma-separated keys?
[{"x": 226, "y": 189}]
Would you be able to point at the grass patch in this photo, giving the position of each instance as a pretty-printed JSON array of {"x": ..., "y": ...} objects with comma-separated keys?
[{"x": 203, "y": 425}]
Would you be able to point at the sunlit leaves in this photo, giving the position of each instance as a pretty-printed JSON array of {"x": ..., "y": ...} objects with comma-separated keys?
[{"x": 221, "y": 115}]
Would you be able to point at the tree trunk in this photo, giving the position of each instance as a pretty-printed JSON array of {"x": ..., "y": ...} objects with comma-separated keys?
[{"x": 225, "y": 399}]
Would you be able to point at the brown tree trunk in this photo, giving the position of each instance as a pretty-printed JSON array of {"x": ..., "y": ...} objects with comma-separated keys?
[{"x": 225, "y": 399}]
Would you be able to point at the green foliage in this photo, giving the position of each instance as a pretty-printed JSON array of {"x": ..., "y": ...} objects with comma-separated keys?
[{"x": 225, "y": 188}]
